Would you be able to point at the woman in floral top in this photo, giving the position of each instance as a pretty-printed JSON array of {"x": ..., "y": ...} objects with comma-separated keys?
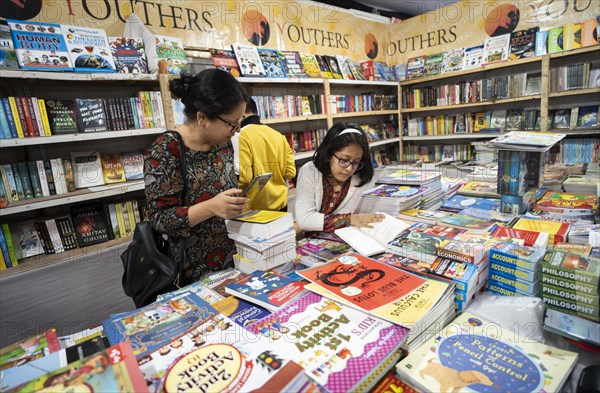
[
  {"x": 329, "y": 187},
  {"x": 214, "y": 107}
]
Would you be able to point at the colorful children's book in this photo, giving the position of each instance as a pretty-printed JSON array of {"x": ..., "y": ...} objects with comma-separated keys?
[
  {"x": 171, "y": 56},
  {"x": 459, "y": 202},
  {"x": 334, "y": 67},
  {"x": 129, "y": 54},
  {"x": 433, "y": 64},
  {"x": 357, "y": 345},
  {"x": 415, "y": 67},
  {"x": 225, "y": 60},
  {"x": 571, "y": 36},
  {"x": 89, "y": 49},
  {"x": 358, "y": 73},
  {"x": 488, "y": 352},
  {"x": 522, "y": 43},
  {"x": 26, "y": 240},
  {"x": 271, "y": 61},
  {"x": 40, "y": 46},
  {"x": 453, "y": 60},
  {"x": 496, "y": 49},
  {"x": 311, "y": 65},
  {"x": 473, "y": 57},
  {"x": 292, "y": 62},
  {"x": 324, "y": 67},
  {"x": 29, "y": 349},
  {"x": 249, "y": 60},
  {"x": 240, "y": 311},
  {"x": 555, "y": 39},
  {"x": 588, "y": 32},
  {"x": 267, "y": 289},
  {"x": 8, "y": 56}
]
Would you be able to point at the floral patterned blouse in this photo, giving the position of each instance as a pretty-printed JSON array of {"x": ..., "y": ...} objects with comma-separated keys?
[
  {"x": 331, "y": 201},
  {"x": 207, "y": 247}
]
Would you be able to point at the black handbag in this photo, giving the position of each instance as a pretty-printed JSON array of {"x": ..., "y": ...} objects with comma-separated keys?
[{"x": 148, "y": 268}]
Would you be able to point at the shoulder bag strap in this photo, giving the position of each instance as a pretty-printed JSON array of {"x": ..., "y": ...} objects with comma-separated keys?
[{"x": 182, "y": 194}]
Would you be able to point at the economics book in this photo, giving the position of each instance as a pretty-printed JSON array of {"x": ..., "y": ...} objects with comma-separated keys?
[
  {"x": 244, "y": 363},
  {"x": 495, "y": 358},
  {"x": 149, "y": 328},
  {"x": 40, "y": 46},
  {"x": 383, "y": 291},
  {"x": 89, "y": 49},
  {"x": 316, "y": 331}
]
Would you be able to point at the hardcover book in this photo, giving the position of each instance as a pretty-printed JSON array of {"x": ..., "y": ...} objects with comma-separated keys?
[
  {"x": 225, "y": 60},
  {"x": 415, "y": 67},
  {"x": 571, "y": 36},
  {"x": 87, "y": 169},
  {"x": 517, "y": 256},
  {"x": 29, "y": 349},
  {"x": 311, "y": 65},
  {"x": 112, "y": 168},
  {"x": 324, "y": 67},
  {"x": 90, "y": 224},
  {"x": 433, "y": 64},
  {"x": 271, "y": 61},
  {"x": 133, "y": 165},
  {"x": 555, "y": 39},
  {"x": 357, "y": 345},
  {"x": 522, "y": 43},
  {"x": 8, "y": 56},
  {"x": 334, "y": 67},
  {"x": 91, "y": 114},
  {"x": 40, "y": 46},
  {"x": 496, "y": 49},
  {"x": 240, "y": 311},
  {"x": 267, "y": 289},
  {"x": 344, "y": 67},
  {"x": 263, "y": 224},
  {"x": 514, "y": 120},
  {"x": 473, "y": 57},
  {"x": 129, "y": 54},
  {"x": 248, "y": 60},
  {"x": 453, "y": 60},
  {"x": 587, "y": 116},
  {"x": 358, "y": 74},
  {"x": 89, "y": 49},
  {"x": 171, "y": 56},
  {"x": 62, "y": 116},
  {"x": 488, "y": 352}
]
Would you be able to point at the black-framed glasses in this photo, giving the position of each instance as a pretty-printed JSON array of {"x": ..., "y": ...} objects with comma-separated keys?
[
  {"x": 343, "y": 163},
  {"x": 234, "y": 126}
]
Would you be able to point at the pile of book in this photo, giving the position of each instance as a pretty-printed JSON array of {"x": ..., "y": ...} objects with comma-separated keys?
[
  {"x": 513, "y": 269},
  {"x": 264, "y": 239}
]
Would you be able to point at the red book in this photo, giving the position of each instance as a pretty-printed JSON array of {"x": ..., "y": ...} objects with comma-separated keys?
[
  {"x": 530, "y": 238},
  {"x": 27, "y": 114},
  {"x": 33, "y": 116}
]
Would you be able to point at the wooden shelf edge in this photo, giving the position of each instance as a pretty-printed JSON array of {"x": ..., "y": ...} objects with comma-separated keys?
[
  {"x": 294, "y": 119},
  {"x": 577, "y": 51},
  {"x": 42, "y": 261},
  {"x": 362, "y": 82},
  {"x": 365, "y": 113},
  {"x": 475, "y": 135},
  {"x": 79, "y": 137},
  {"x": 81, "y": 195},
  {"x": 532, "y": 97},
  {"x": 249, "y": 79},
  {"x": 384, "y": 141},
  {"x": 77, "y": 76},
  {"x": 565, "y": 93}
]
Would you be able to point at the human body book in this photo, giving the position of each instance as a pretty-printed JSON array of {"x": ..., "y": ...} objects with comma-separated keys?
[
  {"x": 40, "y": 46},
  {"x": 494, "y": 358},
  {"x": 354, "y": 348},
  {"x": 89, "y": 49}
]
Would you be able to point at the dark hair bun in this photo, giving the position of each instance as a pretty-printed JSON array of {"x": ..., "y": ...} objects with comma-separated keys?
[{"x": 179, "y": 87}]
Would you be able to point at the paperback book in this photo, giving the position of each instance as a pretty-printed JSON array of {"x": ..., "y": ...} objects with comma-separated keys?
[
  {"x": 271, "y": 61},
  {"x": 40, "y": 46},
  {"x": 171, "y": 56},
  {"x": 8, "y": 56},
  {"x": 496, "y": 49},
  {"x": 133, "y": 165},
  {"x": 473, "y": 57},
  {"x": 311, "y": 65},
  {"x": 225, "y": 60},
  {"x": 89, "y": 49},
  {"x": 248, "y": 59},
  {"x": 62, "y": 116},
  {"x": 453, "y": 60},
  {"x": 129, "y": 54},
  {"x": 90, "y": 224},
  {"x": 522, "y": 43},
  {"x": 87, "y": 169},
  {"x": 91, "y": 114}
]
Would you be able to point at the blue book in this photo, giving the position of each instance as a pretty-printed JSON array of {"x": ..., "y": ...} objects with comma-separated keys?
[
  {"x": 5, "y": 134},
  {"x": 40, "y": 46},
  {"x": 459, "y": 202},
  {"x": 240, "y": 311},
  {"x": 271, "y": 60},
  {"x": 513, "y": 272},
  {"x": 89, "y": 49},
  {"x": 9, "y": 117},
  {"x": 4, "y": 249},
  {"x": 149, "y": 328},
  {"x": 517, "y": 256}
]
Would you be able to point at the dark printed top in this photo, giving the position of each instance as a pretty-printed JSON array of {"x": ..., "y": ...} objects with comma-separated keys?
[
  {"x": 208, "y": 173},
  {"x": 331, "y": 201}
]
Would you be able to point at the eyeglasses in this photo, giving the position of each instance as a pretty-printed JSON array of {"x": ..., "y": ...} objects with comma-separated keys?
[
  {"x": 234, "y": 126},
  {"x": 343, "y": 163}
]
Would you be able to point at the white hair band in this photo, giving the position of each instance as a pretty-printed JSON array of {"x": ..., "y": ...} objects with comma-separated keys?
[{"x": 350, "y": 131}]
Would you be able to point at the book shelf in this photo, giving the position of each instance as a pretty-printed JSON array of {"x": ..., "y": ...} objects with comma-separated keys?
[
  {"x": 68, "y": 86},
  {"x": 544, "y": 101}
]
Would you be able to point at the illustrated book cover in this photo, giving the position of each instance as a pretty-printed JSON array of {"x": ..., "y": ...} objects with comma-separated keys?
[
  {"x": 225, "y": 60},
  {"x": 26, "y": 240},
  {"x": 171, "y": 56},
  {"x": 271, "y": 61},
  {"x": 87, "y": 169},
  {"x": 249, "y": 60},
  {"x": 473, "y": 57},
  {"x": 112, "y": 168},
  {"x": 496, "y": 358},
  {"x": 40, "y": 46},
  {"x": 89, "y": 49},
  {"x": 129, "y": 54},
  {"x": 90, "y": 224},
  {"x": 8, "y": 56},
  {"x": 453, "y": 60},
  {"x": 317, "y": 332},
  {"x": 496, "y": 49},
  {"x": 522, "y": 43},
  {"x": 133, "y": 165}
]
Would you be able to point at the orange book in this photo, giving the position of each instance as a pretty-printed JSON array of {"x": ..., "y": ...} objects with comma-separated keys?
[{"x": 588, "y": 32}]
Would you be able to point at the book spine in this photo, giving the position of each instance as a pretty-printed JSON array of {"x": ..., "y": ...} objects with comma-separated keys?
[
  {"x": 4, "y": 263},
  {"x": 9, "y": 117},
  {"x": 114, "y": 223},
  {"x": 55, "y": 236},
  {"x": 56, "y": 176},
  {"x": 570, "y": 307},
  {"x": 25, "y": 180},
  {"x": 67, "y": 232},
  {"x": 12, "y": 171},
  {"x": 126, "y": 222},
  {"x": 106, "y": 212},
  {"x": 571, "y": 285},
  {"x": 513, "y": 273},
  {"x": 44, "y": 117},
  {"x": 136, "y": 211},
  {"x": 25, "y": 105},
  {"x": 454, "y": 255},
  {"x": 120, "y": 219},
  {"x": 569, "y": 275},
  {"x": 46, "y": 244},
  {"x": 67, "y": 170},
  {"x": 500, "y": 289},
  {"x": 16, "y": 116},
  {"x": 42, "y": 176},
  {"x": 134, "y": 111},
  {"x": 49, "y": 177},
  {"x": 61, "y": 175},
  {"x": 571, "y": 295},
  {"x": 530, "y": 288},
  {"x": 10, "y": 246},
  {"x": 6, "y": 185},
  {"x": 511, "y": 260},
  {"x": 35, "y": 109},
  {"x": 4, "y": 127}
]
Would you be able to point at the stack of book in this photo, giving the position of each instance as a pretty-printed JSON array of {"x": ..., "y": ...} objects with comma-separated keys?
[
  {"x": 514, "y": 269},
  {"x": 264, "y": 239},
  {"x": 464, "y": 276},
  {"x": 569, "y": 283},
  {"x": 317, "y": 250},
  {"x": 390, "y": 199},
  {"x": 582, "y": 206}
]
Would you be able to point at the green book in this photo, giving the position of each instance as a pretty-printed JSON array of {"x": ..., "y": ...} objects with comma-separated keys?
[
  {"x": 10, "y": 246},
  {"x": 555, "y": 39},
  {"x": 34, "y": 177},
  {"x": 25, "y": 181}
]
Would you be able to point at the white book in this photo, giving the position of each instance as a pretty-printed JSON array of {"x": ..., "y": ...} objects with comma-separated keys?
[
  {"x": 87, "y": 169},
  {"x": 57, "y": 243},
  {"x": 371, "y": 241},
  {"x": 473, "y": 57},
  {"x": 58, "y": 176},
  {"x": 42, "y": 175},
  {"x": 38, "y": 115},
  {"x": 496, "y": 49},
  {"x": 248, "y": 60}
]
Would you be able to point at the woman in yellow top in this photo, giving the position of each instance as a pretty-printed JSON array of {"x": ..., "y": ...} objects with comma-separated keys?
[{"x": 261, "y": 150}]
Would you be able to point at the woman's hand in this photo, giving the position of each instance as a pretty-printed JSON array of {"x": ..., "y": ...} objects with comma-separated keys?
[
  {"x": 364, "y": 220},
  {"x": 228, "y": 204}
]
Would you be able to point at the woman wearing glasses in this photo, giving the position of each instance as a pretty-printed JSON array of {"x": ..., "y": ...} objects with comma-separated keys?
[
  {"x": 329, "y": 187},
  {"x": 214, "y": 104}
]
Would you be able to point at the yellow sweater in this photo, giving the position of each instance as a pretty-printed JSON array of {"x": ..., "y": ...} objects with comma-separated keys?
[{"x": 263, "y": 149}]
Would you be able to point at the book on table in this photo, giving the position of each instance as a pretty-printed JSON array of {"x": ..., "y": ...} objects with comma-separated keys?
[
  {"x": 526, "y": 141},
  {"x": 494, "y": 358},
  {"x": 263, "y": 224}
]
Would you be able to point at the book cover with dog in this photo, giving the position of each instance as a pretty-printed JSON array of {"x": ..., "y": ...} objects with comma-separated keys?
[{"x": 473, "y": 354}]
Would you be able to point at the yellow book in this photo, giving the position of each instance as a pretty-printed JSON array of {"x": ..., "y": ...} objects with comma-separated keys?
[
  {"x": 127, "y": 226},
  {"x": 2, "y": 263},
  {"x": 15, "y": 113},
  {"x": 44, "y": 116},
  {"x": 9, "y": 244},
  {"x": 120, "y": 219},
  {"x": 148, "y": 100},
  {"x": 572, "y": 36},
  {"x": 311, "y": 66},
  {"x": 557, "y": 231},
  {"x": 130, "y": 215},
  {"x": 112, "y": 169},
  {"x": 263, "y": 224},
  {"x": 260, "y": 216}
]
